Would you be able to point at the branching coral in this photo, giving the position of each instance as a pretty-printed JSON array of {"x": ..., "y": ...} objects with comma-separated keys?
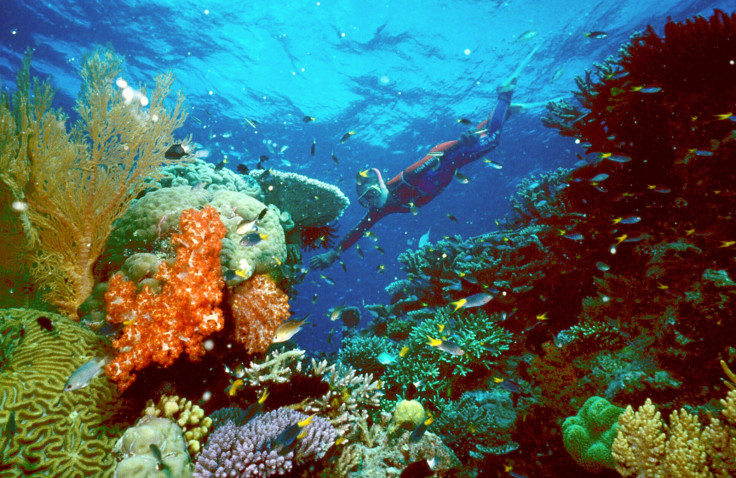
[
  {"x": 646, "y": 446},
  {"x": 258, "y": 308},
  {"x": 159, "y": 327},
  {"x": 252, "y": 450},
  {"x": 76, "y": 183}
]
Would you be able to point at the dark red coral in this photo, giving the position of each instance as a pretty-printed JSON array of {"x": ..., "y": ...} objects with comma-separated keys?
[{"x": 321, "y": 237}]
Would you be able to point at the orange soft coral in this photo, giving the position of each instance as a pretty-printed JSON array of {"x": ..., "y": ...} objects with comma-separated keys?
[
  {"x": 159, "y": 327},
  {"x": 259, "y": 307}
]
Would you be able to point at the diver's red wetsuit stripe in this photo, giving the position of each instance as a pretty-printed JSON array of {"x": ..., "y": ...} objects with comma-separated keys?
[{"x": 421, "y": 182}]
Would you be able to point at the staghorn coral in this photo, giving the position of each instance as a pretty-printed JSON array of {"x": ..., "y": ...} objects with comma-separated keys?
[
  {"x": 646, "y": 446},
  {"x": 59, "y": 434},
  {"x": 76, "y": 183},
  {"x": 159, "y": 327},
  {"x": 311, "y": 203},
  {"x": 184, "y": 413},
  {"x": 275, "y": 368},
  {"x": 251, "y": 450},
  {"x": 376, "y": 453},
  {"x": 136, "y": 458},
  {"x": 361, "y": 352},
  {"x": 258, "y": 308}
]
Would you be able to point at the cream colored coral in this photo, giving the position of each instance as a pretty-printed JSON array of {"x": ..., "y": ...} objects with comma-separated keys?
[
  {"x": 646, "y": 447},
  {"x": 188, "y": 416},
  {"x": 639, "y": 446}
]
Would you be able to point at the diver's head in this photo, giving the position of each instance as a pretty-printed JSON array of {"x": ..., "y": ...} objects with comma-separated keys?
[{"x": 374, "y": 197}]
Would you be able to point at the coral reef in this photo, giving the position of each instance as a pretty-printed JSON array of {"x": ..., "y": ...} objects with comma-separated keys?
[
  {"x": 135, "y": 455},
  {"x": 253, "y": 449},
  {"x": 58, "y": 433},
  {"x": 76, "y": 183},
  {"x": 258, "y": 308},
  {"x": 311, "y": 203},
  {"x": 188, "y": 416},
  {"x": 159, "y": 327}
]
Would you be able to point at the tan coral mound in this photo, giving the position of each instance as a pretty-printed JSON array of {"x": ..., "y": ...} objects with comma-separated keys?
[{"x": 58, "y": 434}]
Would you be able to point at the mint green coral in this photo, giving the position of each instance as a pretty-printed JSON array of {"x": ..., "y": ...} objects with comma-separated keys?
[
  {"x": 481, "y": 338},
  {"x": 589, "y": 435}
]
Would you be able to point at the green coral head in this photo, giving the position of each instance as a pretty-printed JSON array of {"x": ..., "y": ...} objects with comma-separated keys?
[{"x": 589, "y": 435}]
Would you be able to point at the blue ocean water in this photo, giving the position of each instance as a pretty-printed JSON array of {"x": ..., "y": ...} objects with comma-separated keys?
[{"x": 398, "y": 73}]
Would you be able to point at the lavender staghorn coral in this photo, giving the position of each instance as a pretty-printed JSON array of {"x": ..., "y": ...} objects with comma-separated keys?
[{"x": 248, "y": 450}]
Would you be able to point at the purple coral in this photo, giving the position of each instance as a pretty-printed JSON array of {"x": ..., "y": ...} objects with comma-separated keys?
[{"x": 245, "y": 451}]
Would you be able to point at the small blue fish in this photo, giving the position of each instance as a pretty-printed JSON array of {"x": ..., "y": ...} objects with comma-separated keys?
[
  {"x": 84, "y": 374},
  {"x": 418, "y": 432},
  {"x": 386, "y": 358},
  {"x": 424, "y": 240}
]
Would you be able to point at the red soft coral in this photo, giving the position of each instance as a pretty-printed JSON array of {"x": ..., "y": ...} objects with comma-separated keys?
[
  {"x": 159, "y": 327},
  {"x": 258, "y": 307}
]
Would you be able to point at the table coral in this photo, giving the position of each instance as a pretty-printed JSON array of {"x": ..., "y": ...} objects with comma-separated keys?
[
  {"x": 258, "y": 308},
  {"x": 158, "y": 328},
  {"x": 309, "y": 202},
  {"x": 59, "y": 434}
]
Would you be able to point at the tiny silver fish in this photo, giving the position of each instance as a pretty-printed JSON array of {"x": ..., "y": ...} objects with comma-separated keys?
[{"x": 85, "y": 373}]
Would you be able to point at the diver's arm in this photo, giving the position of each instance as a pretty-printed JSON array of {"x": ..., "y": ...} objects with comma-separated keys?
[{"x": 322, "y": 261}]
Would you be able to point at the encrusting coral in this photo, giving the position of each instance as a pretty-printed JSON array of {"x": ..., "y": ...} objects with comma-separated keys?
[
  {"x": 58, "y": 433},
  {"x": 136, "y": 455},
  {"x": 159, "y": 327},
  {"x": 76, "y": 183},
  {"x": 188, "y": 416},
  {"x": 258, "y": 308}
]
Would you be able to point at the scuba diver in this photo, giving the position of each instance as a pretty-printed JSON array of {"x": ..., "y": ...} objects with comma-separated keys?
[{"x": 421, "y": 182}]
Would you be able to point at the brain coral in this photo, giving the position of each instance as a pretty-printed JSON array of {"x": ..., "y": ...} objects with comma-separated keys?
[
  {"x": 310, "y": 202},
  {"x": 149, "y": 222},
  {"x": 61, "y": 434}
]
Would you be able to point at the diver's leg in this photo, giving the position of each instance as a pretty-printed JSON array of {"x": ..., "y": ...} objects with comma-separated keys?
[{"x": 506, "y": 90}]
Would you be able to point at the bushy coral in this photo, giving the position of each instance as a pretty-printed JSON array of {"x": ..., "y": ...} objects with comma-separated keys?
[
  {"x": 252, "y": 450},
  {"x": 76, "y": 183},
  {"x": 159, "y": 327},
  {"x": 479, "y": 423},
  {"x": 258, "y": 308},
  {"x": 361, "y": 352},
  {"x": 200, "y": 174}
]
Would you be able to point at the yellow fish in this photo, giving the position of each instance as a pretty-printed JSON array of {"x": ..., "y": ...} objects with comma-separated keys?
[
  {"x": 404, "y": 351},
  {"x": 727, "y": 243},
  {"x": 542, "y": 317},
  {"x": 234, "y": 387},
  {"x": 364, "y": 174},
  {"x": 724, "y": 116},
  {"x": 497, "y": 379},
  {"x": 287, "y": 330}
]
